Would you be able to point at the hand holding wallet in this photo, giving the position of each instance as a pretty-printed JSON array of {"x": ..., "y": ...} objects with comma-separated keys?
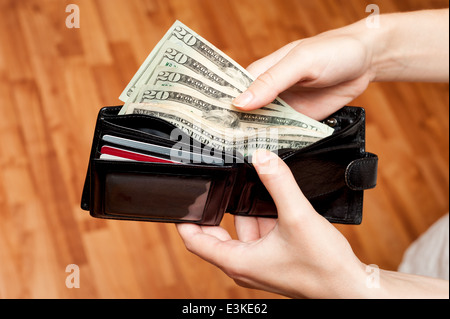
[{"x": 131, "y": 175}]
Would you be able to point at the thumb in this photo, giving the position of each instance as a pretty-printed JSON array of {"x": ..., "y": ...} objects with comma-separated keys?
[
  {"x": 276, "y": 176},
  {"x": 261, "y": 92}
]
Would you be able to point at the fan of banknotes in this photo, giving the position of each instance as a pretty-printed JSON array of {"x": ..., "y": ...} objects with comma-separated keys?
[{"x": 190, "y": 83}]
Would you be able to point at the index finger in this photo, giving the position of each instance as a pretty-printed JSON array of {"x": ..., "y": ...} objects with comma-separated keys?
[{"x": 294, "y": 67}]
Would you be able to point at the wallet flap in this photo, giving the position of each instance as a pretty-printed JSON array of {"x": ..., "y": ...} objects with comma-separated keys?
[
  {"x": 361, "y": 174},
  {"x": 332, "y": 173}
]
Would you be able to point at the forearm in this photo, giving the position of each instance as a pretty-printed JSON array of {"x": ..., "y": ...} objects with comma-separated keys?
[
  {"x": 411, "y": 46},
  {"x": 374, "y": 283},
  {"x": 400, "y": 285}
]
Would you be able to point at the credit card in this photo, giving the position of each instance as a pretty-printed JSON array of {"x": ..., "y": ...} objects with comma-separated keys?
[
  {"x": 180, "y": 155},
  {"x": 113, "y": 151},
  {"x": 114, "y": 158}
]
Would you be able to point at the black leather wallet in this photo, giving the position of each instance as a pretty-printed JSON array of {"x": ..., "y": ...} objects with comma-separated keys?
[{"x": 332, "y": 173}]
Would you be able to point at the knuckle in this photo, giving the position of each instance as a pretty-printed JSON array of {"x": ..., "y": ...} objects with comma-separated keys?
[
  {"x": 256, "y": 68},
  {"x": 235, "y": 271},
  {"x": 189, "y": 246},
  {"x": 232, "y": 272},
  {"x": 265, "y": 85},
  {"x": 267, "y": 80},
  {"x": 308, "y": 58},
  {"x": 243, "y": 283}
]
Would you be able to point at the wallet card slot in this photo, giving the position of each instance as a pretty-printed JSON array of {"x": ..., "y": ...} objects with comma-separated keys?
[
  {"x": 141, "y": 151},
  {"x": 112, "y": 128},
  {"x": 182, "y": 148}
]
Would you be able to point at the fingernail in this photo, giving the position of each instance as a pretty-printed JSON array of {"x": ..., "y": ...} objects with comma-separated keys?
[
  {"x": 243, "y": 99},
  {"x": 262, "y": 157},
  {"x": 265, "y": 162}
]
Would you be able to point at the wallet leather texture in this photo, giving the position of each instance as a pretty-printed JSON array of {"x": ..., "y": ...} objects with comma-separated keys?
[{"x": 333, "y": 173}]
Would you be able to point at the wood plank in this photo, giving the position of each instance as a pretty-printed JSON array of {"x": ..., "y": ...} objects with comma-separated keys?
[{"x": 53, "y": 81}]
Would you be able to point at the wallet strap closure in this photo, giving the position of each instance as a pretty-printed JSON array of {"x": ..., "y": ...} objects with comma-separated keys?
[{"x": 361, "y": 173}]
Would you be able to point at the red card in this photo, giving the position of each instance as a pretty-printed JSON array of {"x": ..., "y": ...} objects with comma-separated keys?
[{"x": 134, "y": 155}]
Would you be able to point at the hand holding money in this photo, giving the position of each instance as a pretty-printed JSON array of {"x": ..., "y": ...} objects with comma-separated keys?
[
  {"x": 190, "y": 83},
  {"x": 316, "y": 76}
]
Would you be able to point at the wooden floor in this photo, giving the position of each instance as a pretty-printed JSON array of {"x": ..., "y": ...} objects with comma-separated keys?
[{"x": 53, "y": 80}]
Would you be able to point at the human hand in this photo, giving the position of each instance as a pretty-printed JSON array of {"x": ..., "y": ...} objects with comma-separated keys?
[
  {"x": 300, "y": 254},
  {"x": 316, "y": 76}
]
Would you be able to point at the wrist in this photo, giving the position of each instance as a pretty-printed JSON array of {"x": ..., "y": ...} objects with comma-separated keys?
[
  {"x": 353, "y": 280},
  {"x": 372, "y": 41},
  {"x": 376, "y": 283},
  {"x": 386, "y": 53},
  {"x": 375, "y": 40},
  {"x": 410, "y": 46}
]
